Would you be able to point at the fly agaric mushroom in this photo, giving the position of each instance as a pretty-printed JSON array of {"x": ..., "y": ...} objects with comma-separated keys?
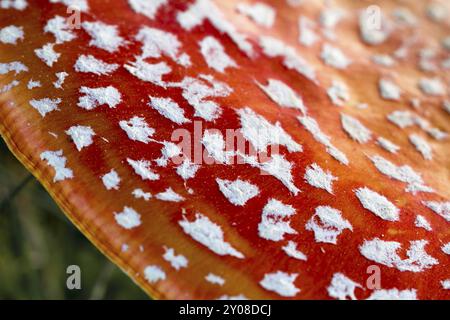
[{"x": 241, "y": 149}]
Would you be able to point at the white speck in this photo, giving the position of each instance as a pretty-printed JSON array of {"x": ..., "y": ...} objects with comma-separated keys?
[
  {"x": 432, "y": 86},
  {"x": 259, "y": 12},
  {"x": 385, "y": 252},
  {"x": 215, "y": 279},
  {"x": 436, "y": 12},
  {"x": 445, "y": 63},
  {"x": 404, "y": 16},
  {"x": 355, "y": 129},
  {"x": 383, "y": 60},
  {"x": 337, "y": 154},
  {"x": 362, "y": 106},
  {"x": 369, "y": 34},
  {"x": 334, "y": 57},
  {"x": 214, "y": 54},
  {"x": 13, "y": 4},
  {"x": 169, "y": 195},
  {"x": 330, "y": 17},
  {"x": 9, "y": 86},
  {"x": 61, "y": 77},
  {"x": 124, "y": 247},
  {"x": 215, "y": 145},
  {"x": 446, "y": 43},
  {"x": 187, "y": 170},
  {"x": 261, "y": 133},
  {"x": 427, "y": 53},
  {"x": 338, "y": 93},
  {"x": 168, "y": 151},
  {"x": 128, "y": 218},
  {"x": 103, "y": 36},
  {"x": 327, "y": 224},
  {"x": 57, "y": 161},
  {"x": 307, "y": 35},
  {"x": 81, "y": 136},
  {"x": 436, "y": 133},
  {"x": 341, "y": 287},
  {"x": 157, "y": 42},
  {"x": 140, "y": 194},
  {"x": 154, "y": 274},
  {"x": 176, "y": 261},
  {"x": 441, "y": 208},
  {"x": 94, "y": 97},
  {"x": 273, "y": 47},
  {"x": 387, "y": 145},
  {"x": 446, "y": 248},
  {"x": 209, "y": 234},
  {"x": 88, "y": 63},
  {"x": 275, "y": 221},
  {"x": 238, "y": 192},
  {"x": 445, "y": 284},
  {"x": 11, "y": 34},
  {"x": 60, "y": 29},
  {"x": 319, "y": 178},
  {"x": 278, "y": 167},
  {"x": 149, "y": 72},
  {"x": 281, "y": 283},
  {"x": 169, "y": 109},
  {"x": 378, "y": 204},
  {"x": 15, "y": 66},
  {"x": 401, "y": 173},
  {"x": 206, "y": 9},
  {"x": 81, "y": 5},
  {"x": 45, "y": 105},
  {"x": 422, "y": 146},
  {"x": 446, "y": 106},
  {"x": 312, "y": 126},
  {"x": 294, "y": 3},
  {"x": 194, "y": 16},
  {"x": 402, "y": 51},
  {"x": 389, "y": 90},
  {"x": 147, "y": 8},
  {"x": 402, "y": 119},
  {"x": 111, "y": 180},
  {"x": 421, "y": 222},
  {"x": 283, "y": 95},
  {"x": 47, "y": 54},
  {"x": 137, "y": 129},
  {"x": 426, "y": 62},
  {"x": 196, "y": 92},
  {"x": 142, "y": 168},
  {"x": 291, "y": 250},
  {"x": 393, "y": 294}
]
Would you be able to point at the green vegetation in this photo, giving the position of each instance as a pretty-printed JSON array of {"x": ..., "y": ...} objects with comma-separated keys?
[{"x": 38, "y": 243}]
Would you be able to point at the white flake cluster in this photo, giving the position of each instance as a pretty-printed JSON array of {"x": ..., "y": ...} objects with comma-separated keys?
[
  {"x": 327, "y": 224},
  {"x": 210, "y": 234}
]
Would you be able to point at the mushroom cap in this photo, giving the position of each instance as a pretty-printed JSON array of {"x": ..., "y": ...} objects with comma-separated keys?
[{"x": 129, "y": 115}]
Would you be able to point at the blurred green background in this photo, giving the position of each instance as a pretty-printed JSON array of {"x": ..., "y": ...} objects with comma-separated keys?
[{"x": 38, "y": 243}]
